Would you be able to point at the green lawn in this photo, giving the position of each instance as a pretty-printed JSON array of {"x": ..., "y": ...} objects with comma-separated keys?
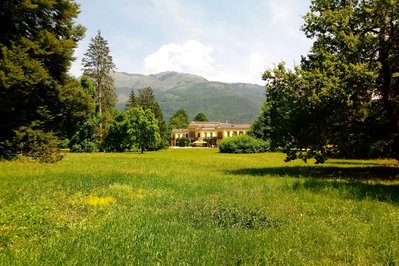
[{"x": 197, "y": 206}]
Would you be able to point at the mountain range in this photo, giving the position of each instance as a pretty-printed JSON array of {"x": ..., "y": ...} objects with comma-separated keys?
[{"x": 235, "y": 102}]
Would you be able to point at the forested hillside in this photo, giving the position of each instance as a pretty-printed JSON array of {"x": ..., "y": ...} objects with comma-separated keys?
[{"x": 236, "y": 102}]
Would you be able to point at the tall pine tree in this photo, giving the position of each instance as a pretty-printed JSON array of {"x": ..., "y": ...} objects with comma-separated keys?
[{"x": 98, "y": 65}]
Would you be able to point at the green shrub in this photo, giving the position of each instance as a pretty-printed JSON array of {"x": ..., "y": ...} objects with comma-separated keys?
[
  {"x": 85, "y": 139},
  {"x": 210, "y": 142},
  {"x": 37, "y": 144},
  {"x": 183, "y": 142},
  {"x": 85, "y": 146},
  {"x": 243, "y": 144}
]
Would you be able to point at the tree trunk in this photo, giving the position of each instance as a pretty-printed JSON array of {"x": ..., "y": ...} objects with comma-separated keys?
[
  {"x": 392, "y": 115},
  {"x": 389, "y": 94}
]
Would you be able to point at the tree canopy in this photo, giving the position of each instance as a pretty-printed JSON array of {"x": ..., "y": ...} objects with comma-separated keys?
[
  {"x": 85, "y": 137},
  {"x": 179, "y": 120},
  {"x": 343, "y": 99},
  {"x": 142, "y": 128},
  {"x": 147, "y": 101},
  {"x": 201, "y": 117},
  {"x": 37, "y": 40}
]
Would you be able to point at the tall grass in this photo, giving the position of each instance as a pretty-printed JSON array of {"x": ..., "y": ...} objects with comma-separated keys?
[{"x": 198, "y": 206}]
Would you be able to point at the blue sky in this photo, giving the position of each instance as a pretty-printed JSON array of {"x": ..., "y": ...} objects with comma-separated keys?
[{"x": 221, "y": 40}]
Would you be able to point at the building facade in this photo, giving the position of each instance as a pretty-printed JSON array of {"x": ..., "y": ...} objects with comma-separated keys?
[{"x": 199, "y": 132}]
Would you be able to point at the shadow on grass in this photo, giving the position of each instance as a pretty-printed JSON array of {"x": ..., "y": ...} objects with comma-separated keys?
[
  {"x": 321, "y": 178},
  {"x": 330, "y": 172},
  {"x": 364, "y": 164}
]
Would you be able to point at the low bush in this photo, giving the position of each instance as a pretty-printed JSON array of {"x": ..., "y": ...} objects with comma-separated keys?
[
  {"x": 243, "y": 144},
  {"x": 210, "y": 142},
  {"x": 37, "y": 144},
  {"x": 85, "y": 146},
  {"x": 183, "y": 142}
]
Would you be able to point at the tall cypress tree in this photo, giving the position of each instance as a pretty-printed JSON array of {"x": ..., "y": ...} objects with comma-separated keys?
[{"x": 98, "y": 65}]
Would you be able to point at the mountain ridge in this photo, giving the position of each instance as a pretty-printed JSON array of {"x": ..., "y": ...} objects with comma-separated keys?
[{"x": 235, "y": 102}]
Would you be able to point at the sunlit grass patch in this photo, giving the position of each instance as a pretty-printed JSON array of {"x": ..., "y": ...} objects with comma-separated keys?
[
  {"x": 126, "y": 191},
  {"x": 100, "y": 201}
]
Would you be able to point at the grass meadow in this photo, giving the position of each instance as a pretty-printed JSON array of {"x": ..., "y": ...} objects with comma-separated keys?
[{"x": 198, "y": 206}]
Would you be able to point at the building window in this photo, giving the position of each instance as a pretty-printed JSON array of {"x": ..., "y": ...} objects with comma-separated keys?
[
  {"x": 241, "y": 133},
  {"x": 234, "y": 133},
  {"x": 206, "y": 134},
  {"x": 211, "y": 134},
  {"x": 228, "y": 133}
]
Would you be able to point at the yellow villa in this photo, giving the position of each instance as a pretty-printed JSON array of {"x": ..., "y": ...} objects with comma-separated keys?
[{"x": 197, "y": 132}]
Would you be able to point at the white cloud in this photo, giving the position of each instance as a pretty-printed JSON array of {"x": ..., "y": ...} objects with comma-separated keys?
[
  {"x": 191, "y": 56},
  {"x": 230, "y": 41}
]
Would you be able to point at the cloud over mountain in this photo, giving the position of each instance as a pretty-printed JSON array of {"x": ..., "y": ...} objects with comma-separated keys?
[{"x": 191, "y": 56}]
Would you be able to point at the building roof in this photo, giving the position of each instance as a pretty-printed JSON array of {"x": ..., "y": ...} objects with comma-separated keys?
[
  {"x": 180, "y": 130},
  {"x": 203, "y": 124},
  {"x": 234, "y": 126},
  {"x": 217, "y": 125}
]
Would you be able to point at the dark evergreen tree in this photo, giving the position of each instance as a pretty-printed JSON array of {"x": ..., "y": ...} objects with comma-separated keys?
[
  {"x": 37, "y": 39},
  {"x": 201, "y": 117},
  {"x": 179, "y": 120},
  {"x": 132, "y": 102},
  {"x": 147, "y": 101}
]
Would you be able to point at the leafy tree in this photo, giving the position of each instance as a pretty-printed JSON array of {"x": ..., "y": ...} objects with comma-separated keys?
[
  {"x": 276, "y": 121},
  {"x": 37, "y": 39},
  {"x": 98, "y": 65},
  {"x": 142, "y": 128},
  {"x": 118, "y": 138},
  {"x": 179, "y": 120},
  {"x": 291, "y": 118},
  {"x": 85, "y": 138},
  {"x": 147, "y": 101},
  {"x": 345, "y": 89},
  {"x": 357, "y": 43},
  {"x": 201, "y": 117},
  {"x": 132, "y": 102}
]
